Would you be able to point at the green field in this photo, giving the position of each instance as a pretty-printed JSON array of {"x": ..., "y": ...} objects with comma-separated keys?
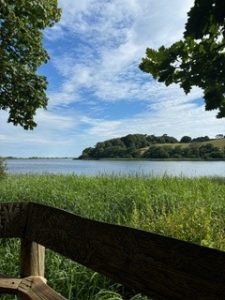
[
  {"x": 188, "y": 209},
  {"x": 216, "y": 143}
]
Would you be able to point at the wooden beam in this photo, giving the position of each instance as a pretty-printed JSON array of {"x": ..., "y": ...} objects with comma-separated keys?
[
  {"x": 32, "y": 264},
  {"x": 158, "y": 266},
  {"x": 29, "y": 288},
  {"x": 13, "y": 218},
  {"x": 34, "y": 288},
  {"x": 32, "y": 259},
  {"x": 9, "y": 285}
]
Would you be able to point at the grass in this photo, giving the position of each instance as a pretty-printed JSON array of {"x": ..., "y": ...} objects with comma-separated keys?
[
  {"x": 215, "y": 142},
  {"x": 188, "y": 209}
]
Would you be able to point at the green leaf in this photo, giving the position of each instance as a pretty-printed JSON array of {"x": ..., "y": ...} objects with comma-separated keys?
[
  {"x": 23, "y": 91},
  {"x": 198, "y": 59}
]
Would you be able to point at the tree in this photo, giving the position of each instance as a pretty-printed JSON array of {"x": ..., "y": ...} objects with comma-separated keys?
[
  {"x": 200, "y": 139},
  {"x": 199, "y": 58},
  {"x": 185, "y": 139},
  {"x": 22, "y": 90},
  {"x": 169, "y": 139},
  {"x": 157, "y": 152}
]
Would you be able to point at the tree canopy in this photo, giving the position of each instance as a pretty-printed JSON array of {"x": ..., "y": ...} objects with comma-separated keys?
[
  {"x": 185, "y": 139},
  {"x": 199, "y": 58},
  {"x": 145, "y": 146},
  {"x": 22, "y": 90}
]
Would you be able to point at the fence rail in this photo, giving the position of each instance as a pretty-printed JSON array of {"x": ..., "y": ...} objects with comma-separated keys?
[{"x": 157, "y": 266}]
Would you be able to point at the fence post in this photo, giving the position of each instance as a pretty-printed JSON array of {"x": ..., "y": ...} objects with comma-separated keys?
[{"x": 32, "y": 259}]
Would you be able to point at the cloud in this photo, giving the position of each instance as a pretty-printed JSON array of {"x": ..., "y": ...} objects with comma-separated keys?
[
  {"x": 51, "y": 127},
  {"x": 192, "y": 120},
  {"x": 111, "y": 40}
]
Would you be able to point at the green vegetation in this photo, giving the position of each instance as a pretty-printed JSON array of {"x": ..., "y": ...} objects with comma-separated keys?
[
  {"x": 192, "y": 151},
  {"x": 188, "y": 209},
  {"x": 2, "y": 168},
  {"x": 199, "y": 58},
  {"x": 145, "y": 146},
  {"x": 22, "y": 90}
]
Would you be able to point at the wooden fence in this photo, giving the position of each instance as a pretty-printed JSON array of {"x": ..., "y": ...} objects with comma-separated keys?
[{"x": 157, "y": 266}]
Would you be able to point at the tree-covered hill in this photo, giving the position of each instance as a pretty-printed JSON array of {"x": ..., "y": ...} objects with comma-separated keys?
[{"x": 157, "y": 147}]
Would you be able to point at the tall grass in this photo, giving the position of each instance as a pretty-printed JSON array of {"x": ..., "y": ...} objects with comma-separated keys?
[
  {"x": 188, "y": 209},
  {"x": 2, "y": 168}
]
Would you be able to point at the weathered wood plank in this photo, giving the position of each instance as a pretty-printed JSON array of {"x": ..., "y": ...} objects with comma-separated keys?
[
  {"x": 9, "y": 285},
  {"x": 13, "y": 218},
  {"x": 32, "y": 259},
  {"x": 29, "y": 288},
  {"x": 161, "y": 267},
  {"x": 34, "y": 288}
]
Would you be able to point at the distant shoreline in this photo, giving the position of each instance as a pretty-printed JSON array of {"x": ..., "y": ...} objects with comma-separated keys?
[
  {"x": 165, "y": 148},
  {"x": 30, "y": 158},
  {"x": 149, "y": 159},
  {"x": 114, "y": 159}
]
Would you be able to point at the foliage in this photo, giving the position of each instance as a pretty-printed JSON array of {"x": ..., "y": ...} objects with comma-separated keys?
[
  {"x": 22, "y": 90},
  {"x": 199, "y": 58},
  {"x": 153, "y": 147},
  {"x": 185, "y": 139},
  {"x": 193, "y": 151},
  {"x": 125, "y": 146},
  {"x": 157, "y": 152},
  {"x": 2, "y": 168},
  {"x": 201, "y": 139},
  {"x": 187, "y": 209}
]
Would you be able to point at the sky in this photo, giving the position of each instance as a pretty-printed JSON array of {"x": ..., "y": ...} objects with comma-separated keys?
[{"x": 96, "y": 90}]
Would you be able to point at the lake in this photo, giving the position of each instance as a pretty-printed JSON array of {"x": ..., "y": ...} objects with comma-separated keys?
[{"x": 120, "y": 167}]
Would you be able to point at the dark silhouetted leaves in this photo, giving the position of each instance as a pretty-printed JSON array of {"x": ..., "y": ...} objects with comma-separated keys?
[{"x": 199, "y": 58}]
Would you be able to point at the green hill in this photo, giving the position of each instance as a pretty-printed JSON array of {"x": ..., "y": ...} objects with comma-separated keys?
[{"x": 142, "y": 146}]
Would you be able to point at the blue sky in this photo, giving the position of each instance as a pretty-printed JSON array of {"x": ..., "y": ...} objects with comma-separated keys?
[{"x": 96, "y": 90}]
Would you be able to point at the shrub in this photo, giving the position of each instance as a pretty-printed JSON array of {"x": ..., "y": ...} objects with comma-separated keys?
[{"x": 2, "y": 168}]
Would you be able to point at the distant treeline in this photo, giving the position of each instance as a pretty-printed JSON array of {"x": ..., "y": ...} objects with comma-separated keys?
[{"x": 147, "y": 146}]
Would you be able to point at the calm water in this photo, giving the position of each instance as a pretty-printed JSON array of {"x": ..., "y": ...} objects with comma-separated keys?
[{"x": 83, "y": 167}]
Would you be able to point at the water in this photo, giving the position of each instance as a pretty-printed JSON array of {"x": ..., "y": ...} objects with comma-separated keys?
[{"x": 87, "y": 167}]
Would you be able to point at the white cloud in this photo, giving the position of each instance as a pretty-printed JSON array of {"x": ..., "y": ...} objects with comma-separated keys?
[
  {"x": 50, "y": 131},
  {"x": 114, "y": 36},
  {"x": 193, "y": 121}
]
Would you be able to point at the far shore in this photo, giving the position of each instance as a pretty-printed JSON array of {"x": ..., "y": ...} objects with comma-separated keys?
[
  {"x": 151, "y": 159},
  {"x": 12, "y": 157},
  {"x": 114, "y": 159}
]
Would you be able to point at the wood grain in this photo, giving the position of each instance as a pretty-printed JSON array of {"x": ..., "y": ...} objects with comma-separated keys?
[
  {"x": 9, "y": 285},
  {"x": 32, "y": 259},
  {"x": 158, "y": 266},
  {"x": 34, "y": 288},
  {"x": 13, "y": 217},
  {"x": 29, "y": 288}
]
